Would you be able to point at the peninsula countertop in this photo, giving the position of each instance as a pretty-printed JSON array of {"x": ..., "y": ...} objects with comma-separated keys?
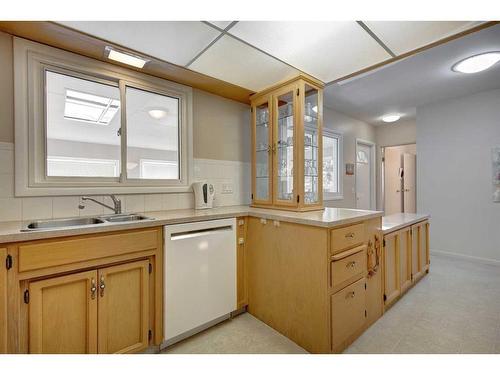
[
  {"x": 10, "y": 231},
  {"x": 397, "y": 221}
]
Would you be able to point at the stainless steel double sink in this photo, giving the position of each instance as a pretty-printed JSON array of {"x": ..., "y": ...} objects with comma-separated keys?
[{"x": 38, "y": 225}]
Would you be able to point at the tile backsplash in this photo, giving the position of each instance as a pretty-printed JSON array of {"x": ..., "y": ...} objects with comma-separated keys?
[{"x": 226, "y": 175}]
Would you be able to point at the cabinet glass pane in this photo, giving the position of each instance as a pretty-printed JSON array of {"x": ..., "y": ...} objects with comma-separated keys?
[
  {"x": 284, "y": 144},
  {"x": 311, "y": 129},
  {"x": 262, "y": 153}
]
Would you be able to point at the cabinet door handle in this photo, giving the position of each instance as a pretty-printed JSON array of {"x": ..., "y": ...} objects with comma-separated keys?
[
  {"x": 93, "y": 288},
  {"x": 351, "y": 264},
  {"x": 350, "y": 295},
  {"x": 102, "y": 286},
  {"x": 349, "y": 235}
]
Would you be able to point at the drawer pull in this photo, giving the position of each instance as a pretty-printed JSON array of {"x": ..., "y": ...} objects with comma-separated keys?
[
  {"x": 350, "y": 295},
  {"x": 93, "y": 288},
  {"x": 351, "y": 264},
  {"x": 349, "y": 235}
]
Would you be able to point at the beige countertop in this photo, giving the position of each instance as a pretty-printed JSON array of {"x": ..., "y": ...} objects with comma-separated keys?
[
  {"x": 397, "y": 221},
  {"x": 10, "y": 231}
]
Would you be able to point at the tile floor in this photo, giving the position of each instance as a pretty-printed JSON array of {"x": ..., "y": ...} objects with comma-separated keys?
[{"x": 454, "y": 309}]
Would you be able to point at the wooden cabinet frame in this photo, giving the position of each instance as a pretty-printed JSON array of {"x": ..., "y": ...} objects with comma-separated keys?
[{"x": 296, "y": 87}]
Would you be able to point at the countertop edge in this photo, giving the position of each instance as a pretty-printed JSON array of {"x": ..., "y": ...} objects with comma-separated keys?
[
  {"x": 406, "y": 223},
  {"x": 223, "y": 213}
]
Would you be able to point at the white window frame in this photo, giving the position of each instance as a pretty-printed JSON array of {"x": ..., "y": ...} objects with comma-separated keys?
[
  {"x": 328, "y": 196},
  {"x": 31, "y": 60}
]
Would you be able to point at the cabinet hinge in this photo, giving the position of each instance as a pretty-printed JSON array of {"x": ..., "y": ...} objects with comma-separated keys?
[
  {"x": 150, "y": 268},
  {"x": 383, "y": 159},
  {"x": 365, "y": 314},
  {"x": 298, "y": 198},
  {"x": 385, "y": 297},
  {"x": 252, "y": 196},
  {"x": 26, "y": 296},
  {"x": 8, "y": 262},
  {"x": 365, "y": 286},
  {"x": 150, "y": 335},
  {"x": 298, "y": 90},
  {"x": 383, "y": 242}
]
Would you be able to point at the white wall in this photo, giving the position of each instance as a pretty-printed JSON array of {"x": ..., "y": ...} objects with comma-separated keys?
[
  {"x": 350, "y": 129},
  {"x": 454, "y": 141}
]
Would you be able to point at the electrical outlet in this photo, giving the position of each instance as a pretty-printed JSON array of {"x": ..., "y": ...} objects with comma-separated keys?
[{"x": 227, "y": 188}]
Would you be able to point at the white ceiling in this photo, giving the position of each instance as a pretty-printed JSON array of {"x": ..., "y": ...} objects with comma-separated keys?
[
  {"x": 158, "y": 134},
  {"x": 257, "y": 54},
  {"x": 417, "y": 80}
]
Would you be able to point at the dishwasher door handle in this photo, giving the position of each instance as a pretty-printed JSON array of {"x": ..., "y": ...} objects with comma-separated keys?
[{"x": 199, "y": 232}]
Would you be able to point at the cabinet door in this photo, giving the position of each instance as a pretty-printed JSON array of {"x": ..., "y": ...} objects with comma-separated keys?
[
  {"x": 3, "y": 303},
  {"x": 63, "y": 314},
  {"x": 123, "y": 313},
  {"x": 241, "y": 271},
  {"x": 405, "y": 259},
  {"x": 391, "y": 267},
  {"x": 284, "y": 150},
  {"x": 262, "y": 152},
  {"x": 424, "y": 246},
  {"x": 418, "y": 251}
]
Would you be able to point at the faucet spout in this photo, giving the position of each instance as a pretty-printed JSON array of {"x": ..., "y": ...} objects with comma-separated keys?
[{"x": 116, "y": 202}]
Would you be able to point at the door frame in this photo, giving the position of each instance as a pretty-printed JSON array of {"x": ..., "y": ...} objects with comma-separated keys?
[{"x": 373, "y": 193}]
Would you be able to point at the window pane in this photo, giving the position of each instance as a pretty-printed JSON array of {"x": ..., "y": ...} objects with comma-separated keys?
[
  {"x": 330, "y": 164},
  {"x": 82, "y": 127},
  {"x": 152, "y": 135}
]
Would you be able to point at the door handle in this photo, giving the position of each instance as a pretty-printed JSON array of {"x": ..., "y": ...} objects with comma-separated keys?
[
  {"x": 93, "y": 288},
  {"x": 102, "y": 286}
]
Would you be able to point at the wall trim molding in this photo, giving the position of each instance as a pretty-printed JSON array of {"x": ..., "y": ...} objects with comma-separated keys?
[{"x": 469, "y": 258}]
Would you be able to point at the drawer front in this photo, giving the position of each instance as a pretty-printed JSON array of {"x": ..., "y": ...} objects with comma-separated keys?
[
  {"x": 33, "y": 256},
  {"x": 348, "y": 312},
  {"x": 345, "y": 238},
  {"x": 348, "y": 267}
]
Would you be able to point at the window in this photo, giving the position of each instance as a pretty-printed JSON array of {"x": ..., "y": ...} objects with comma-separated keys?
[
  {"x": 89, "y": 127},
  {"x": 332, "y": 162}
]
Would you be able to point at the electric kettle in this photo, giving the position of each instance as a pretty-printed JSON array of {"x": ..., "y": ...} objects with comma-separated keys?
[{"x": 204, "y": 193}]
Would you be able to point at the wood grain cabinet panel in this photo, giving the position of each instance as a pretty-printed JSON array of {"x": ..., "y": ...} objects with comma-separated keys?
[
  {"x": 3, "y": 302},
  {"x": 348, "y": 312},
  {"x": 405, "y": 259},
  {"x": 347, "y": 267},
  {"x": 63, "y": 314},
  {"x": 391, "y": 268},
  {"x": 123, "y": 311},
  {"x": 241, "y": 286}
]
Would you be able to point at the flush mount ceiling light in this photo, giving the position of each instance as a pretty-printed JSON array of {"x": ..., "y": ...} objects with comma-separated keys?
[
  {"x": 477, "y": 63},
  {"x": 125, "y": 58},
  {"x": 157, "y": 114},
  {"x": 391, "y": 118}
]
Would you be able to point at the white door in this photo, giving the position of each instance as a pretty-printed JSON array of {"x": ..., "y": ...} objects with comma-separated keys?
[
  {"x": 364, "y": 176},
  {"x": 392, "y": 181},
  {"x": 409, "y": 191}
]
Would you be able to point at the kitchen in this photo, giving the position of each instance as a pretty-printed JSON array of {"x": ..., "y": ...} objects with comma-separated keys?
[{"x": 171, "y": 200}]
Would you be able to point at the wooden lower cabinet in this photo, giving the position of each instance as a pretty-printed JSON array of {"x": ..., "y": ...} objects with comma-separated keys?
[
  {"x": 100, "y": 311},
  {"x": 348, "y": 307},
  {"x": 405, "y": 280},
  {"x": 63, "y": 314},
  {"x": 241, "y": 284},
  {"x": 391, "y": 268},
  {"x": 420, "y": 249},
  {"x": 123, "y": 308},
  {"x": 3, "y": 302}
]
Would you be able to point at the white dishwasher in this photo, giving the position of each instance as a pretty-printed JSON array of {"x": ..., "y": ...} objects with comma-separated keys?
[{"x": 199, "y": 276}]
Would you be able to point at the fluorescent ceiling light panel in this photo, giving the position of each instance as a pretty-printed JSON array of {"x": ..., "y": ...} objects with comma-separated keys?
[
  {"x": 80, "y": 106},
  {"x": 125, "y": 58},
  {"x": 326, "y": 50},
  {"x": 391, "y": 118},
  {"x": 405, "y": 36},
  {"x": 173, "y": 41},
  {"x": 477, "y": 63}
]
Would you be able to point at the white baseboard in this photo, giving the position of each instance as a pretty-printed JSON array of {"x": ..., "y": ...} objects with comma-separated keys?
[{"x": 469, "y": 258}]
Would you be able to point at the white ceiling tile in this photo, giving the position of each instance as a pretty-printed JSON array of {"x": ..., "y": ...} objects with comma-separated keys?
[
  {"x": 233, "y": 61},
  {"x": 173, "y": 41},
  {"x": 325, "y": 50},
  {"x": 405, "y": 36},
  {"x": 221, "y": 24}
]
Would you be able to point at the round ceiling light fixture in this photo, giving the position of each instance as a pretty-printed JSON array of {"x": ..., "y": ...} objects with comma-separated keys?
[
  {"x": 477, "y": 63},
  {"x": 391, "y": 118},
  {"x": 157, "y": 113}
]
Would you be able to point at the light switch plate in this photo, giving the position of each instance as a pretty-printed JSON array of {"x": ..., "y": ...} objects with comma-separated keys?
[{"x": 227, "y": 188}]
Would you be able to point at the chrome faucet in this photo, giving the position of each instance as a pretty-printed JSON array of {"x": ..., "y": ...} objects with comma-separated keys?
[{"x": 116, "y": 202}]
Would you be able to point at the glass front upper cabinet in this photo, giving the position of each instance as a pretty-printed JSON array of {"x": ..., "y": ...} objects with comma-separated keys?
[{"x": 287, "y": 157}]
